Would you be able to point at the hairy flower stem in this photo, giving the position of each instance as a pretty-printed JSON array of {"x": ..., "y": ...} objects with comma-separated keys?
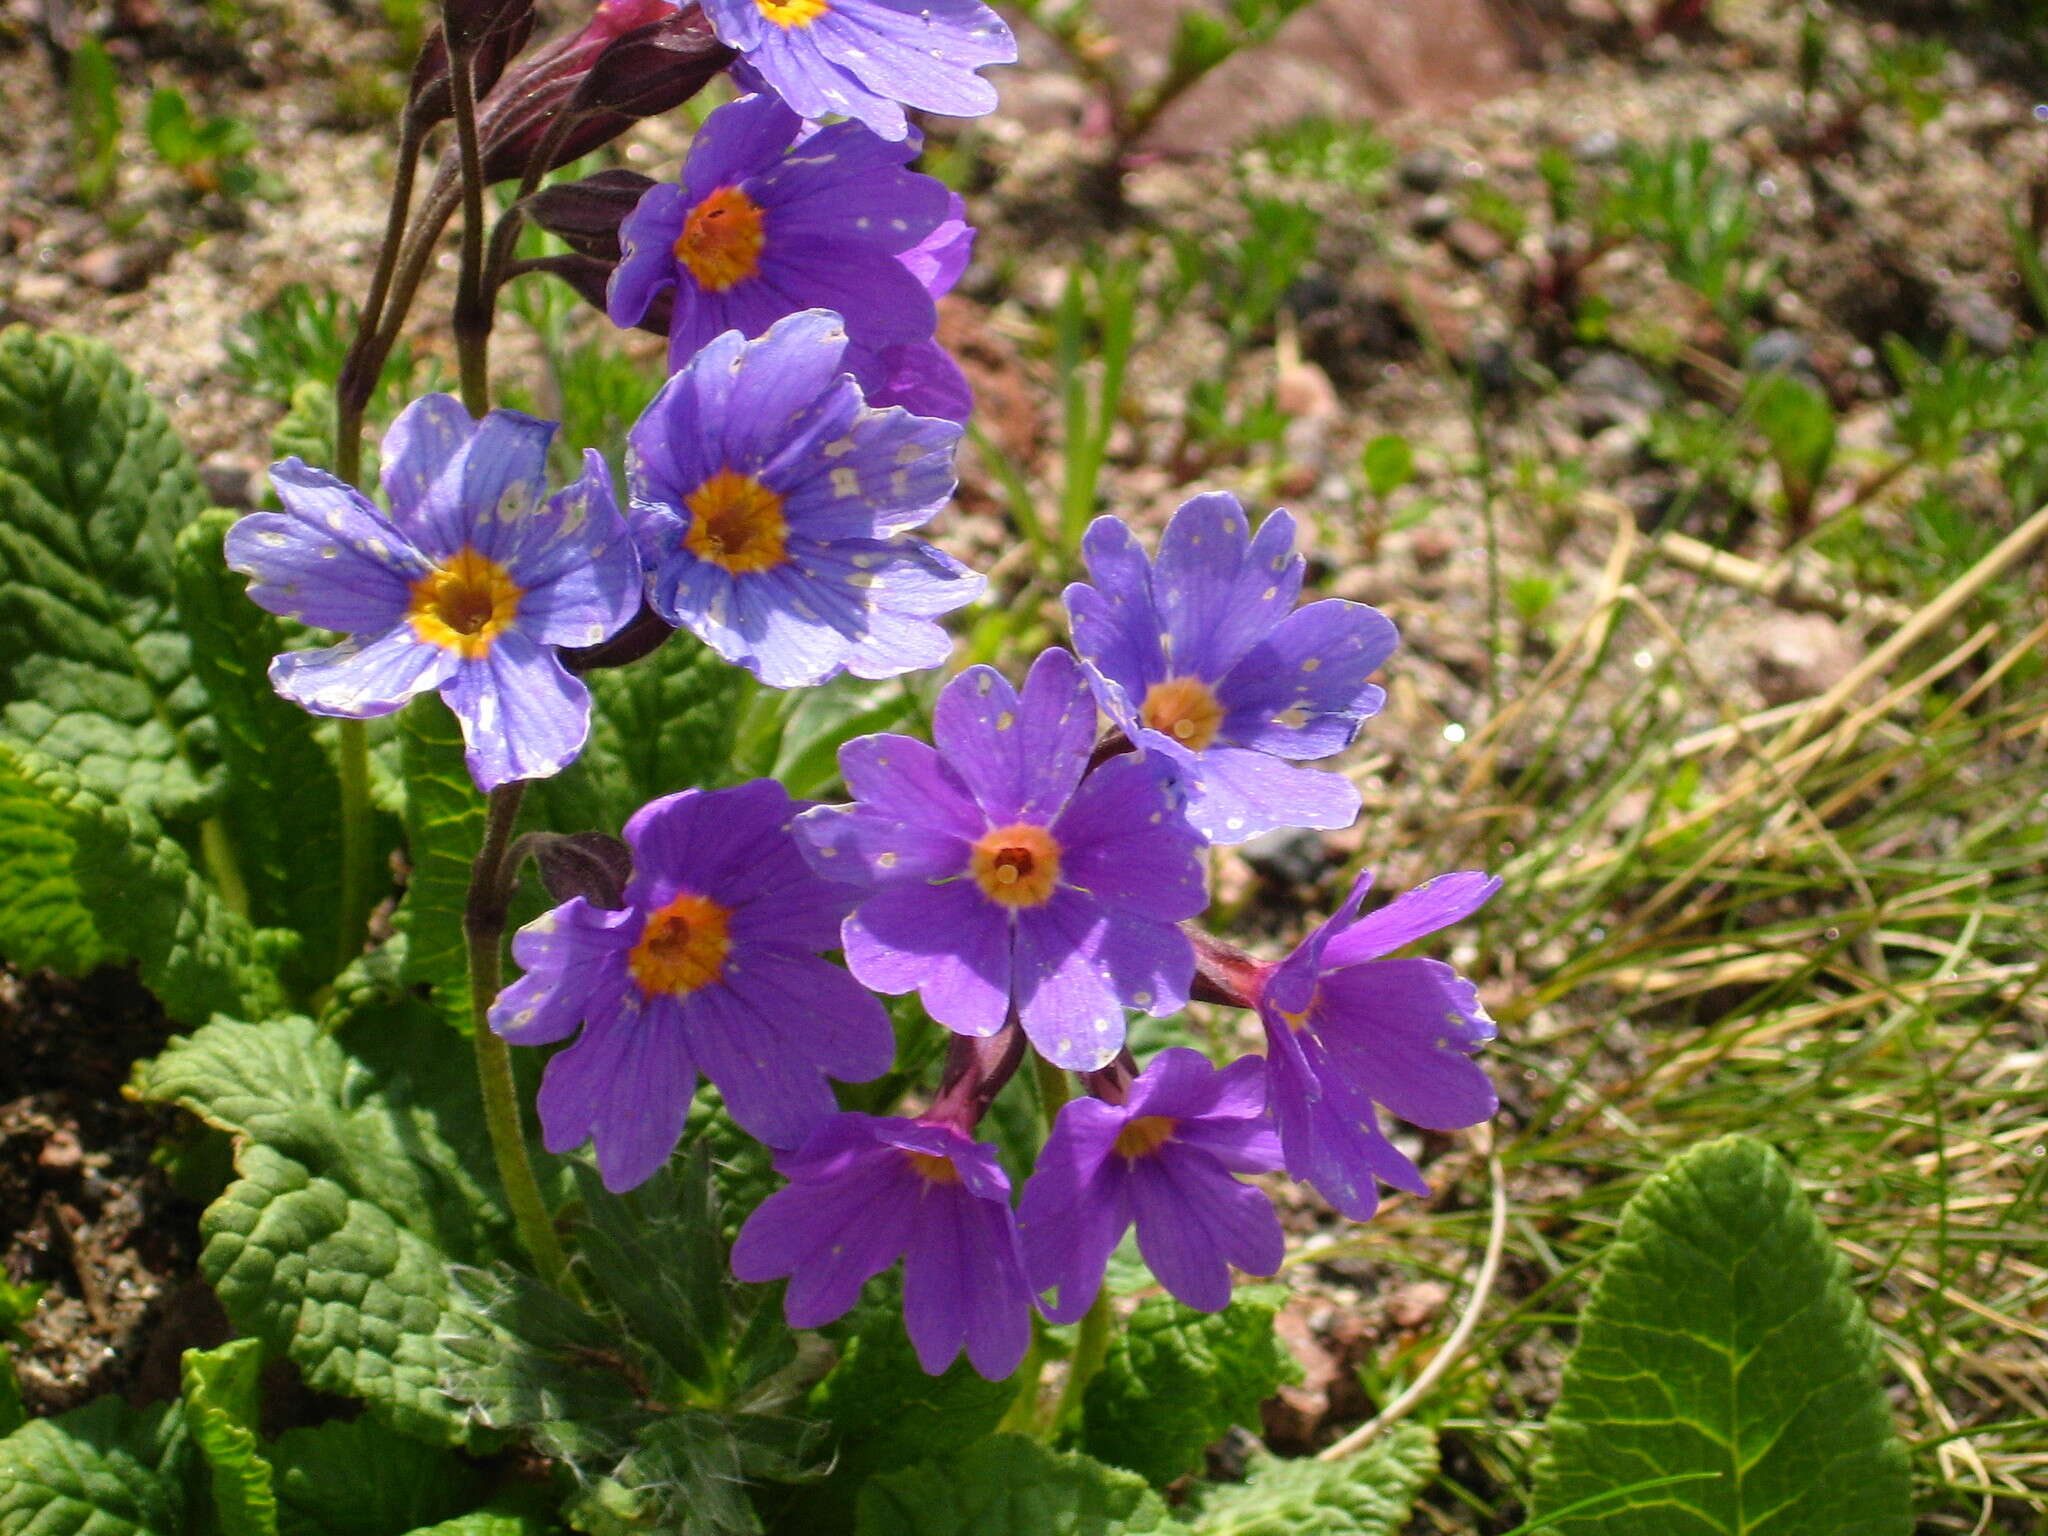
[
  {"x": 354, "y": 775},
  {"x": 1091, "y": 1348},
  {"x": 483, "y": 928},
  {"x": 472, "y": 306}
]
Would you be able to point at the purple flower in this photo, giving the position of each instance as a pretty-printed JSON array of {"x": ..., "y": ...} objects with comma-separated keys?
[
  {"x": 772, "y": 509},
  {"x": 1165, "y": 1158},
  {"x": 1202, "y": 658},
  {"x": 921, "y": 376},
  {"x": 1347, "y": 1030},
  {"x": 869, "y": 59},
  {"x": 865, "y": 1191},
  {"x": 711, "y": 966},
  {"x": 999, "y": 876},
  {"x": 755, "y": 232},
  {"x": 465, "y": 586}
]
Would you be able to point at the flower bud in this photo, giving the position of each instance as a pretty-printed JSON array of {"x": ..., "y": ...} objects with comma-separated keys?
[
  {"x": 431, "y": 100},
  {"x": 593, "y": 865},
  {"x": 588, "y": 213}
]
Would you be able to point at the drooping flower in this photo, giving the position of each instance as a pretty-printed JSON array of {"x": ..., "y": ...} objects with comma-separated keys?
[
  {"x": 712, "y": 965},
  {"x": 467, "y": 585},
  {"x": 869, "y": 59},
  {"x": 1167, "y": 1159},
  {"x": 999, "y": 875},
  {"x": 1347, "y": 1030},
  {"x": 773, "y": 509},
  {"x": 755, "y": 232},
  {"x": 1203, "y": 660},
  {"x": 865, "y": 1191}
]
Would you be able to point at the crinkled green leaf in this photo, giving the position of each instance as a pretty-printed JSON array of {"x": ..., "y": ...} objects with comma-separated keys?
[
  {"x": 1176, "y": 1379},
  {"x": 1723, "y": 1337},
  {"x": 665, "y": 723},
  {"x": 221, "y": 1405},
  {"x": 101, "y": 1470},
  {"x": 330, "y": 1279},
  {"x": 44, "y": 920},
  {"x": 1369, "y": 1494},
  {"x": 444, "y": 828},
  {"x": 360, "y": 1169},
  {"x": 270, "y": 755},
  {"x": 358, "y": 1478},
  {"x": 505, "y": 1517},
  {"x": 94, "y": 486},
  {"x": 145, "y": 899},
  {"x": 1009, "y": 1486}
]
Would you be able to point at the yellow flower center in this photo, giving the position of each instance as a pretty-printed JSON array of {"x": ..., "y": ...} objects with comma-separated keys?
[
  {"x": 792, "y": 13},
  {"x": 932, "y": 1169},
  {"x": 1144, "y": 1136},
  {"x": 722, "y": 239},
  {"x": 1185, "y": 709},
  {"x": 465, "y": 604},
  {"x": 682, "y": 947},
  {"x": 1017, "y": 866},
  {"x": 736, "y": 522}
]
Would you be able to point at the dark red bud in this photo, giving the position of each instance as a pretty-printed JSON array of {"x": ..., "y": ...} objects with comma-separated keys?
[
  {"x": 1224, "y": 973},
  {"x": 588, "y": 213},
  {"x": 469, "y": 22},
  {"x": 975, "y": 1073},
  {"x": 593, "y": 865},
  {"x": 590, "y": 276},
  {"x": 431, "y": 101}
]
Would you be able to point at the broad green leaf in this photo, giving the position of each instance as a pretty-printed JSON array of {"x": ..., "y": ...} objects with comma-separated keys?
[
  {"x": 526, "y": 1358},
  {"x": 1723, "y": 1337},
  {"x": 101, "y": 1470},
  {"x": 330, "y": 1279},
  {"x": 1369, "y": 1494},
  {"x": 221, "y": 1404},
  {"x": 358, "y": 1478},
  {"x": 269, "y": 753},
  {"x": 139, "y": 891},
  {"x": 1176, "y": 1379},
  {"x": 1009, "y": 1486},
  {"x": 444, "y": 828},
  {"x": 95, "y": 671},
  {"x": 360, "y": 1174},
  {"x": 12, "y": 1412},
  {"x": 43, "y": 916},
  {"x": 504, "y": 1518},
  {"x": 666, "y": 723},
  {"x": 884, "y": 1412}
]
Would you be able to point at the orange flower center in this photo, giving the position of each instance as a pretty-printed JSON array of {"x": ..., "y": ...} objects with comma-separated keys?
[
  {"x": 464, "y": 604},
  {"x": 682, "y": 947},
  {"x": 1144, "y": 1136},
  {"x": 932, "y": 1169},
  {"x": 1185, "y": 709},
  {"x": 1017, "y": 865},
  {"x": 737, "y": 522},
  {"x": 792, "y": 13},
  {"x": 722, "y": 239}
]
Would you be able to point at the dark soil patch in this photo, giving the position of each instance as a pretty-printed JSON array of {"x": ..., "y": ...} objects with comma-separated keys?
[{"x": 85, "y": 1209}]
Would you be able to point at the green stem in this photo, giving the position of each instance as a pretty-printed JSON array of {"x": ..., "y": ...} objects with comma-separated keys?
[
  {"x": 354, "y": 770},
  {"x": 1054, "y": 1088},
  {"x": 219, "y": 855},
  {"x": 483, "y": 928},
  {"x": 1091, "y": 1348}
]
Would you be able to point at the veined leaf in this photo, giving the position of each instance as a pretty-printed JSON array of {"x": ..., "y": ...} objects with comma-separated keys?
[
  {"x": 129, "y": 890},
  {"x": 1009, "y": 1486},
  {"x": 270, "y": 755},
  {"x": 1176, "y": 1379},
  {"x": 94, "y": 486},
  {"x": 220, "y": 1395},
  {"x": 357, "y": 1478},
  {"x": 1369, "y": 1494},
  {"x": 359, "y": 1178},
  {"x": 101, "y": 1470},
  {"x": 1723, "y": 1338},
  {"x": 444, "y": 828}
]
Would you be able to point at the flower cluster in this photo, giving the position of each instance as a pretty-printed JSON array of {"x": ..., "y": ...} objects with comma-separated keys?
[{"x": 1034, "y": 873}]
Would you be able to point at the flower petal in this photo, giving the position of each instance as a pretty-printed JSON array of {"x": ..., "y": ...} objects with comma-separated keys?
[
  {"x": 362, "y": 679},
  {"x": 572, "y": 956},
  {"x": 1412, "y": 915},
  {"x": 948, "y": 943},
  {"x": 523, "y": 715},
  {"x": 1020, "y": 755}
]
